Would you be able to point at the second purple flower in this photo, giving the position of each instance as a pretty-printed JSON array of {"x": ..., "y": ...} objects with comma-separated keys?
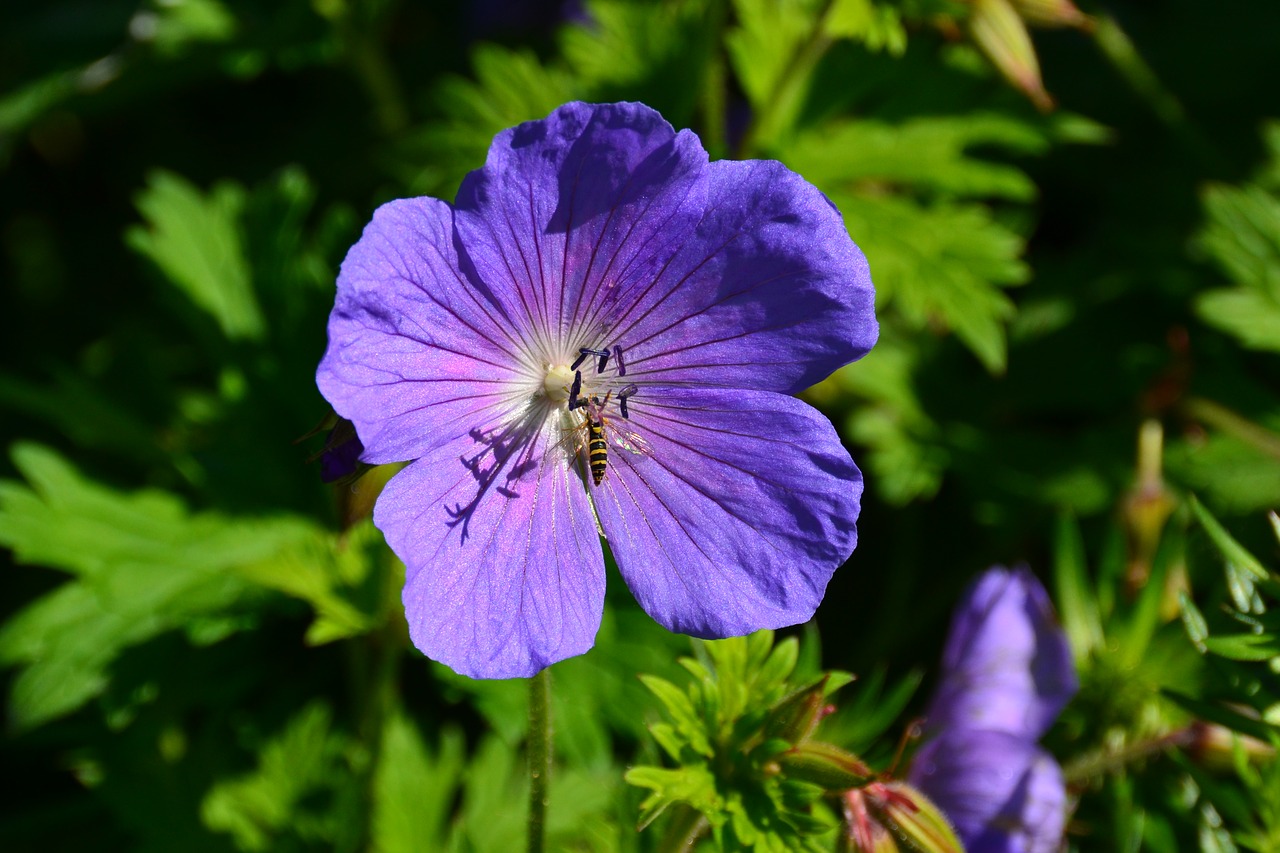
[{"x": 602, "y": 334}]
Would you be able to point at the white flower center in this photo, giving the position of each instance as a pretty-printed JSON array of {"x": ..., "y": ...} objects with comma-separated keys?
[{"x": 556, "y": 383}]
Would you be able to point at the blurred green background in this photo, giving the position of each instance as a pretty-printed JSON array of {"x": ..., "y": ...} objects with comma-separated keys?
[{"x": 1073, "y": 230}]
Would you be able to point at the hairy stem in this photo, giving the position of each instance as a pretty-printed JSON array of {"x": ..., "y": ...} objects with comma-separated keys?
[{"x": 539, "y": 746}]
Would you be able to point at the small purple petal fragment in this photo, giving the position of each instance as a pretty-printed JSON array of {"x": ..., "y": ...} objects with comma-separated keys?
[
  {"x": 739, "y": 514},
  {"x": 1007, "y": 664},
  {"x": 340, "y": 458},
  {"x": 1002, "y": 793}
]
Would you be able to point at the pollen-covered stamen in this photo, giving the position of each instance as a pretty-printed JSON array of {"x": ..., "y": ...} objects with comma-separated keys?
[{"x": 556, "y": 384}]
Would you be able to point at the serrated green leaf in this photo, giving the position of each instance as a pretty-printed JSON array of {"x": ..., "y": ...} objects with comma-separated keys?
[
  {"x": 413, "y": 790},
  {"x": 922, "y": 156},
  {"x": 510, "y": 87},
  {"x": 258, "y": 809},
  {"x": 196, "y": 241},
  {"x": 943, "y": 264},
  {"x": 877, "y": 26},
  {"x": 687, "y": 720},
  {"x": 331, "y": 574},
  {"x": 656, "y": 53},
  {"x": 692, "y": 784},
  {"x": 143, "y": 566}
]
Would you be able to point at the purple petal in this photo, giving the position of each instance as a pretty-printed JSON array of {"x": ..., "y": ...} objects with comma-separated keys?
[
  {"x": 1007, "y": 664},
  {"x": 504, "y": 572},
  {"x": 766, "y": 292},
  {"x": 603, "y": 224},
  {"x": 1002, "y": 794},
  {"x": 416, "y": 357},
  {"x": 738, "y": 514},
  {"x": 572, "y": 212}
]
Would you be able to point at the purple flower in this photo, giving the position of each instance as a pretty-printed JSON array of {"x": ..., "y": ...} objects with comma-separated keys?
[
  {"x": 1007, "y": 665},
  {"x": 1007, "y": 673},
  {"x": 600, "y": 284},
  {"x": 1002, "y": 793}
]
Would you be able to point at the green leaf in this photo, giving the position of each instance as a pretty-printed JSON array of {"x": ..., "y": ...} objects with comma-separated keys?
[
  {"x": 142, "y": 567},
  {"x": 1231, "y": 550},
  {"x": 1080, "y": 617},
  {"x": 261, "y": 809},
  {"x": 692, "y": 784},
  {"x": 175, "y": 24},
  {"x": 511, "y": 86},
  {"x": 765, "y": 41},
  {"x": 877, "y": 26},
  {"x": 413, "y": 791},
  {"x": 688, "y": 722},
  {"x": 196, "y": 241},
  {"x": 928, "y": 155},
  {"x": 332, "y": 574},
  {"x": 1244, "y": 646},
  {"x": 1193, "y": 620},
  {"x": 656, "y": 53},
  {"x": 1242, "y": 234}
]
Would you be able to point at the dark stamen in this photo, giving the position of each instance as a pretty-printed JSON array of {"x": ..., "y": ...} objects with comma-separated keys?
[
  {"x": 575, "y": 390},
  {"x": 583, "y": 357},
  {"x": 617, "y": 357},
  {"x": 622, "y": 398}
]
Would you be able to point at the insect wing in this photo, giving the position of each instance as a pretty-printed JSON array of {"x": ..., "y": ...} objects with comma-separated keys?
[{"x": 625, "y": 437}]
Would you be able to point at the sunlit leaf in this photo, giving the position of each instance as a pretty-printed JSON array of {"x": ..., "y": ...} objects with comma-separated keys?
[{"x": 195, "y": 239}]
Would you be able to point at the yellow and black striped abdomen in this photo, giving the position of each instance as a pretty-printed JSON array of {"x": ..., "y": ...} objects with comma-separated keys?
[{"x": 597, "y": 450}]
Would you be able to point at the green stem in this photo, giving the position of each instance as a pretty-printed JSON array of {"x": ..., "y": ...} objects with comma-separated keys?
[
  {"x": 539, "y": 746},
  {"x": 1220, "y": 417},
  {"x": 1090, "y": 765},
  {"x": 790, "y": 87}
]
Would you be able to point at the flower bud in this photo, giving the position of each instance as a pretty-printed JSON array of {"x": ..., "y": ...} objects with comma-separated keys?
[
  {"x": 824, "y": 764},
  {"x": 998, "y": 31},
  {"x": 1052, "y": 13},
  {"x": 862, "y": 832},
  {"x": 913, "y": 818},
  {"x": 795, "y": 717}
]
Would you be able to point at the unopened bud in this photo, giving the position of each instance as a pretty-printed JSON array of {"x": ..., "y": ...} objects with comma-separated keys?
[
  {"x": 1218, "y": 747},
  {"x": 1052, "y": 13},
  {"x": 912, "y": 817},
  {"x": 795, "y": 717},
  {"x": 862, "y": 832},
  {"x": 824, "y": 764},
  {"x": 998, "y": 31}
]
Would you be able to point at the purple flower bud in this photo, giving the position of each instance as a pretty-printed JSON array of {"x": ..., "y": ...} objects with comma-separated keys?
[
  {"x": 1002, "y": 793},
  {"x": 1007, "y": 665}
]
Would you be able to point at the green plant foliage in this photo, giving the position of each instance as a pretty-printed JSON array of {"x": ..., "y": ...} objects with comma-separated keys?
[
  {"x": 195, "y": 240},
  {"x": 285, "y": 801},
  {"x": 1242, "y": 236},
  {"x": 727, "y": 731},
  {"x": 142, "y": 565}
]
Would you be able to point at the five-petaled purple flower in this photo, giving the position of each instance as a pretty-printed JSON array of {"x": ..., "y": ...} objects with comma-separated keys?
[
  {"x": 1007, "y": 673},
  {"x": 602, "y": 335}
]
